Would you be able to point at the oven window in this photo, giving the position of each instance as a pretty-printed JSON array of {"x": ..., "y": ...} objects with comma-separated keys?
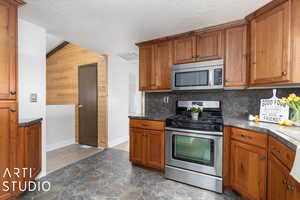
[
  {"x": 189, "y": 79},
  {"x": 193, "y": 149}
]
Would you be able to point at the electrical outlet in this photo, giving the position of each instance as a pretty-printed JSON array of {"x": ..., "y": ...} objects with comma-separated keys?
[{"x": 33, "y": 97}]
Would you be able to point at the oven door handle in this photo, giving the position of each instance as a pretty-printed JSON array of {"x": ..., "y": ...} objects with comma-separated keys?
[{"x": 194, "y": 131}]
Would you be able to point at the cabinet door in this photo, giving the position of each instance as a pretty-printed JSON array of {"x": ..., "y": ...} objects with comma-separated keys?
[
  {"x": 277, "y": 179},
  {"x": 8, "y": 30},
  {"x": 270, "y": 46},
  {"x": 293, "y": 192},
  {"x": 236, "y": 57},
  {"x": 136, "y": 146},
  {"x": 146, "y": 59},
  {"x": 155, "y": 149},
  {"x": 210, "y": 46},
  {"x": 185, "y": 50},
  {"x": 163, "y": 64},
  {"x": 33, "y": 150},
  {"x": 8, "y": 128},
  {"x": 248, "y": 170}
]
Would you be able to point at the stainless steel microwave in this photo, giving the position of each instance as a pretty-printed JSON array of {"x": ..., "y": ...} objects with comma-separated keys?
[{"x": 198, "y": 76}]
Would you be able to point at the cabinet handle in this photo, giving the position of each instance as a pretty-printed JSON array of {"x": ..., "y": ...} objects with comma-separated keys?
[
  {"x": 284, "y": 73},
  {"x": 13, "y": 110},
  {"x": 276, "y": 150},
  {"x": 145, "y": 125},
  {"x": 284, "y": 182},
  {"x": 246, "y": 136},
  {"x": 291, "y": 187},
  {"x": 13, "y": 92},
  {"x": 262, "y": 158}
]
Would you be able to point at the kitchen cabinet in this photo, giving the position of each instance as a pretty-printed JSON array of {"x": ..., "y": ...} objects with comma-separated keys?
[
  {"x": 248, "y": 170},
  {"x": 147, "y": 144},
  {"x": 8, "y": 130},
  {"x": 236, "y": 57},
  {"x": 8, "y": 41},
  {"x": 29, "y": 152},
  {"x": 146, "y": 61},
  {"x": 281, "y": 186},
  {"x": 185, "y": 49},
  {"x": 275, "y": 51},
  {"x": 155, "y": 66},
  {"x": 209, "y": 46}
]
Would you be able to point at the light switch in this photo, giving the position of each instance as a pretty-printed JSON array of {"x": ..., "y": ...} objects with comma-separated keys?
[{"x": 33, "y": 97}]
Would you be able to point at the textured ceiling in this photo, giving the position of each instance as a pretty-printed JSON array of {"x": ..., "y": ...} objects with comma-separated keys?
[{"x": 113, "y": 26}]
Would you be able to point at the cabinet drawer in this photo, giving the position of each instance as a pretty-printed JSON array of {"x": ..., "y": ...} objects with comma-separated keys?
[
  {"x": 250, "y": 137},
  {"x": 147, "y": 124},
  {"x": 283, "y": 153}
]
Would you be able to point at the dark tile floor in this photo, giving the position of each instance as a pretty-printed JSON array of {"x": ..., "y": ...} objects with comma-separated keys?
[{"x": 109, "y": 175}]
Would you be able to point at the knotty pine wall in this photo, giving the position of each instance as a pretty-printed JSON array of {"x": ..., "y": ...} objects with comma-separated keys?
[{"x": 62, "y": 82}]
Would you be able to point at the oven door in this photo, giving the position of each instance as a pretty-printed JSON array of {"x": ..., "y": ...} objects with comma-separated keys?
[{"x": 194, "y": 150}]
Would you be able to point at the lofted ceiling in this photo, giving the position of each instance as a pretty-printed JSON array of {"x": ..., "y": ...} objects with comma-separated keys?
[{"x": 113, "y": 26}]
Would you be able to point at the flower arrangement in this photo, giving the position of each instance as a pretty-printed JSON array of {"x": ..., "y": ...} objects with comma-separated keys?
[
  {"x": 293, "y": 101},
  {"x": 195, "y": 109}
]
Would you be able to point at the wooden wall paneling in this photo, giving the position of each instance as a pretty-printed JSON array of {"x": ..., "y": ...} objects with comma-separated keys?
[{"x": 62, "y": 83}]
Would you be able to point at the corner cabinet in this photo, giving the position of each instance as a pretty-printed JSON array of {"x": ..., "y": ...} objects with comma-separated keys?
[
  {"x": 147, "y": 143},
  {"x": 258, "y": 166},
  {"x": 155, "y": 66},
  {"x": 8, "y": 41},
  {"x": 275, "y": 50}
]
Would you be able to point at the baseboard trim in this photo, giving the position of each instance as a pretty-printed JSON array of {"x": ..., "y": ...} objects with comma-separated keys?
[
  {"x": 58, "y": 145},
  {"x": 118, "y": 141}
]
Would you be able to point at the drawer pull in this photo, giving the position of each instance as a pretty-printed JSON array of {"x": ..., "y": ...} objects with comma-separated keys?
[
  {"x": 13, "y": 110},
  {"x": 13, "y": 92},
  {"x": 246, "y": 136},
  {"x": 284, "y": 182},
  {"x": 145, "y": 125}
]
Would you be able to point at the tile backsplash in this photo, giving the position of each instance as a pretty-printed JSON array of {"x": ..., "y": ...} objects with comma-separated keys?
[{"x": 235, "y": 103}]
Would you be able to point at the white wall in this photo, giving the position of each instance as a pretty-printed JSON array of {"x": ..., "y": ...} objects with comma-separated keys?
[
  {"x": 32, "y": 76},
  {"x": 60, "y": 126},
  {"x": 123, "y": 98}
]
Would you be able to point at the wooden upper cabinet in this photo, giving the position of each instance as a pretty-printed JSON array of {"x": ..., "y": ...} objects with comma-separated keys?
[
  {"x": 271, "y": 46},
  {"x": 185, "y": 50},
  {"x": 8, "y": 130},
  {"x": 248, "y": 170},
  {"x": 163, "y": 65},
  {"x": 155, "y": 66},
  {"x": 236, "y": 57},
  {"x": 146, "y": 61},
  {"x": 209, "y": 46},
  {"x": 8, "y": 31}
]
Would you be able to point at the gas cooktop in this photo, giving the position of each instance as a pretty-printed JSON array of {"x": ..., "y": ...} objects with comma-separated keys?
[{"x": 210, "y": 119}]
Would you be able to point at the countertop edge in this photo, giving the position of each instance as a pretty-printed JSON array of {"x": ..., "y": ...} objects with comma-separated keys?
[{"x": 29, "y": 122}]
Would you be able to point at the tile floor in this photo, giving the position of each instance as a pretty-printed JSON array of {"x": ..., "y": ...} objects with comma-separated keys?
[
  {"x": 109, "y": 175},
  {"x": 62, "y": 157}
]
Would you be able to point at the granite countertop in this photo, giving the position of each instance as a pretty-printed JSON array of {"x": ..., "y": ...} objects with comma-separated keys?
[
  {"x": 29, "y": 121},
  {"x": 290, "y": 136},
  {"x": 149, "y": 117}
]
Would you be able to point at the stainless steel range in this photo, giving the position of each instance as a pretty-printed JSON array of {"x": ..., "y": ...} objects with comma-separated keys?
[{"x": 194, "y": 147}]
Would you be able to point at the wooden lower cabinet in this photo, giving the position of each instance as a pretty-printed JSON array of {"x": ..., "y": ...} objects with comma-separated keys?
[
  {"x": 249, "y": 170},
  {"x": 147, "y": 148},
  {"x": 281, "y": 186},
  {"x": 8, "y": 130}
]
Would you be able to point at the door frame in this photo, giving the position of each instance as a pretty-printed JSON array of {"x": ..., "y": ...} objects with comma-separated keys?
[{"x": 101, "y": 62}]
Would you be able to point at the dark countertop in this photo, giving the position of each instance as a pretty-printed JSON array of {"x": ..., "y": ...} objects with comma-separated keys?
[
  {"x": 149, "y": 117},
  {"x": 28, "y": 122},
  {"x": 290, "y": 136}
]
